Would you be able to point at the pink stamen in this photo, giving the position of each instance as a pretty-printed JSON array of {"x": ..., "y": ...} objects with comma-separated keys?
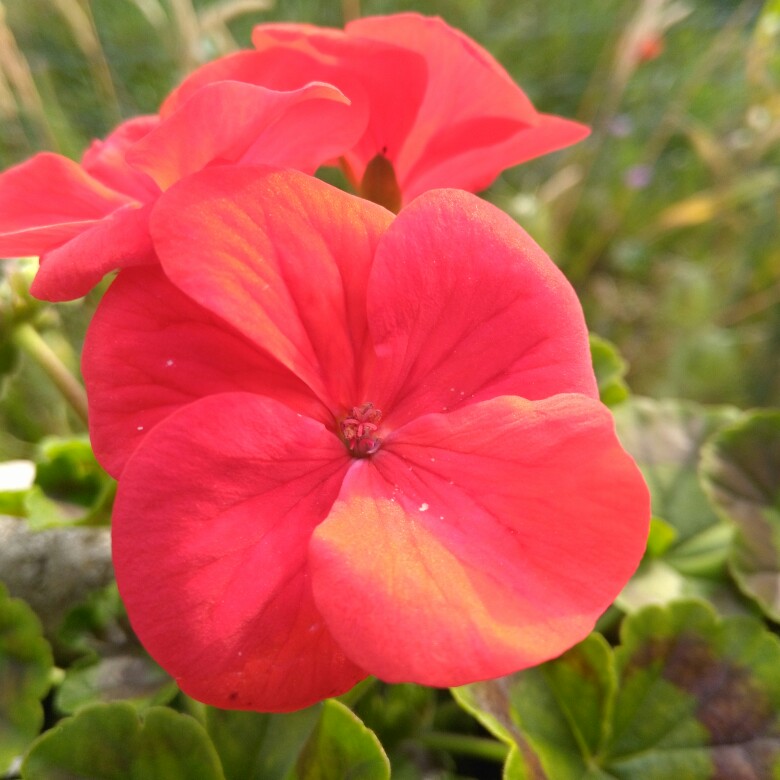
[{"x": 358, "y": 429}]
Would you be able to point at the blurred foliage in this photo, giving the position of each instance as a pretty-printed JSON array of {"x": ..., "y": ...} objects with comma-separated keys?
[
  {"x": 666, "y": 221},
  {"x": 25, "y": 663},
  {"x": 741, "y": 472},
  {"x": 685, "y": 695}
]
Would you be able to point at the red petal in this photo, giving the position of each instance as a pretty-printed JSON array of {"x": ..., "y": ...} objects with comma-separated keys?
[
  {"x": 480, "y": 542},
  {"x": 151, "y": 350},
  {"x": 470, "y": 123},
  {"x": 246, "y": 66},
  {"x": 210, "y": 532},
  {"x": 282, "y": 257},
  {"x": 452, "y": 162},
  {"x": 232, "y": 121},
  {"x": 106, "y": 160},
  {"x": 48, "y": 200},
  {"x": 464, "y": 306},
  {"x": 391, "y": 76},
  {"x": 385, "y": 80},
  {"x": 117, "y": 241}
]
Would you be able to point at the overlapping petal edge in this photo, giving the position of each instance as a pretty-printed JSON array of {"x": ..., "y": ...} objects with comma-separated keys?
[
  {"x": 87, "y": 220},
  {"x": 264, "y": 566},
  {"x": 442, "y": 110}
]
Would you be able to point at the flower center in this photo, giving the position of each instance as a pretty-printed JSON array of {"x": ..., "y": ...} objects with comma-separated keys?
[{"x": 359, "y": 430}]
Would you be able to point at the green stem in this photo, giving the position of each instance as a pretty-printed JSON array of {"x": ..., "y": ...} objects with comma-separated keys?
[
  {"x": 28, "y": 339},
  {"x": 463, "y": 744}
]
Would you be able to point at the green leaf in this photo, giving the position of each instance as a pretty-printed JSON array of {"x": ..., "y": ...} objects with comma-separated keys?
[
  {"x": 319, "y": 743},
  {"x": 665, "y": 438},
  {"x": 260, "y": 746},
  {"x": 741, "y": 472},
  {"x": 25, "y": 673},
  {"x": 490, "y": 703},
  {"x": 686, "y": 695},
  {"x": 656, "y": 582},
  {"x": 662, "y": 537},
  {"x": 113, "y": 666},
  {"x": 97, "y": 626},
  {"x": 131, "y": 676},
  {"x": 341, "y": 747},
  {"x": 70, "y": 486},
  {"x": 67, "y": 470},
  {"x": 562, "y": 709},
  {"x": 610, "y": 369},
  {"x": 110, "y": 742},
  {"x": 698, "y": 696}
]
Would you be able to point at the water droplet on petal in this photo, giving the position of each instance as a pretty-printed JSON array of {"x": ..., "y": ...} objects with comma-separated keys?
[{"x": 423, "y": 507}]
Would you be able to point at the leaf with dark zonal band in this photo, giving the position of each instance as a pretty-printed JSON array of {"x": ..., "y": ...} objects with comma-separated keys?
[
  {"x": 741, "y": 472},
  {"x": 25, "y": 667},
  {"x": 686, "y": 695},
  {"x": 689, "y": 543},
  {"x": 323, "y": 742},
  {"x": 110, "y": 742}
]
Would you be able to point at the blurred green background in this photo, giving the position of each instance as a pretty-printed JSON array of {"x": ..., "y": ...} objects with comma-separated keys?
[{"x": 665, "y": 219}]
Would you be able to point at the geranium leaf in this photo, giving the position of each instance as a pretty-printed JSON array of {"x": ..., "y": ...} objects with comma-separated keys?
[
  {"x": 260, "y": 746},
  {"x": 112, "y": 665},
  {"x": 685, "y": 695},
  {"x": 341, "y": 746},
  {"x": 67, "y": 468},
  {"x": 741, "y": 472},
  {"x": 110, "y": 742},
  {"x": 25, "y": 666},
  {"x": 98, "y": 625},
  {"x": 490, "y": 703},
  {"x": 665, "y": 438},
  {"x": 130, "y": 676},
  {"x": 698, "y": 696},
  {"x": 610, "y": 369},
  {"x": 67, "y": 488},
  {"x": 562, "y": 708},
  {"x": 317, "y": 743},
  {"x": 657, "y": 582}
]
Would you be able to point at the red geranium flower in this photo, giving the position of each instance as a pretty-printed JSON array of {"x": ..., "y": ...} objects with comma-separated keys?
[
  {"x": 370, "y": 446},
  {"x": 86, "y": 220},
  {"x": 442, "y": 111}
]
